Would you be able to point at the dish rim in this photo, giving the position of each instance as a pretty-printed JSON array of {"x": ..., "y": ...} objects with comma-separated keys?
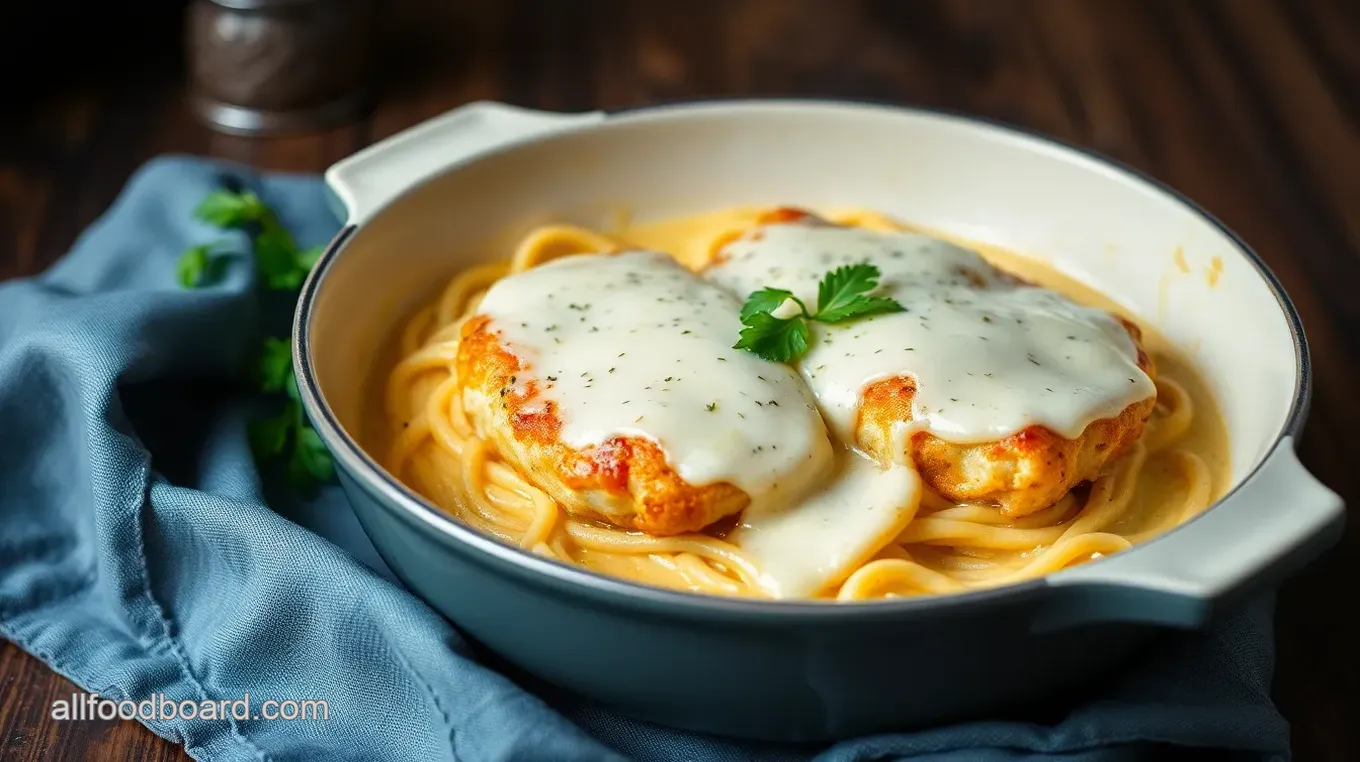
[{"x": 371, "y": 476}]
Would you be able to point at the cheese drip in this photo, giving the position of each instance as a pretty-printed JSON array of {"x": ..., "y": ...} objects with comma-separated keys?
[{"x": 833, "y": 530}]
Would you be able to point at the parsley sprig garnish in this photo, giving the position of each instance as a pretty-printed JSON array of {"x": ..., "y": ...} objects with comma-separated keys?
[
  {"x": 282, "y": 265},
  {"x": 842, "y": 295}
]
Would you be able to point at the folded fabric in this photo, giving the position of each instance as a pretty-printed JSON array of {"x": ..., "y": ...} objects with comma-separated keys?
[{"x": 143, "y": 555}]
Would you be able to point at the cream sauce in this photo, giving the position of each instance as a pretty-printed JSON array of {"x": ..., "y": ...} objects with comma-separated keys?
[
  {"x": 989, "y": 357},
  {"x": 636, "y": 345},
  {"x": 817, "y": 543}
]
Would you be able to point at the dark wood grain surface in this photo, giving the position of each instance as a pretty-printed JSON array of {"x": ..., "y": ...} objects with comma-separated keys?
[{"x": 1250, "y": 107}]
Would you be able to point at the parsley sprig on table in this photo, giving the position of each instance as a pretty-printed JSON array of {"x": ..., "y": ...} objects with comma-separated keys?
[
  {"x": 842, "y": 295},
  {"x": 279, "y": 261},
  {"x": 282, "y": 266},
  {"x": 288, "y": 433}
]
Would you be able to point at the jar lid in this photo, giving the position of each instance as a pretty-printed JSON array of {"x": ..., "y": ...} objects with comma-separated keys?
[
  {"x": 258, "y": 5},
  {"x": 238, "y": 120}
]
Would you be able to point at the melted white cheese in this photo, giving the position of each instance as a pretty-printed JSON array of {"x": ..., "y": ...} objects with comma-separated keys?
[
  {"x": 989, "y": 357},
  {"x": 635, "y": 345},
  {"x": 817, "y": 543}
]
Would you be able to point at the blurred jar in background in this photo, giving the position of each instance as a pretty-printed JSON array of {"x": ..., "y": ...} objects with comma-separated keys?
[{"x": 276, "y": 66}]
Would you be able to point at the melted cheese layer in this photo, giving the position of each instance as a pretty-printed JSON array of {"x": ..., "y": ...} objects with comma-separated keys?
[
  {"x": 989, "y": 357},
  {"x": 636, "y": 345},
  {"x": 818, "y": 542}
]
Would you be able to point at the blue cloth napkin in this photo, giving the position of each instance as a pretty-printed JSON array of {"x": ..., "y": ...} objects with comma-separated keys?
[{"x": 142, "y": 554}]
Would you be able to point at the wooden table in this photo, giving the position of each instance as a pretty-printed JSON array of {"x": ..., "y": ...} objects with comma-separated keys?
[{"x": 1248, "y": 106}]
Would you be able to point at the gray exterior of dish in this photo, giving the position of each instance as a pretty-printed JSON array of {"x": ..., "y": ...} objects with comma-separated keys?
[{"x": 795, "y": 681}]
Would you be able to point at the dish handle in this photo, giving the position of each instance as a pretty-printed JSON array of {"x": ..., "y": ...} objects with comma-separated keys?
[
  {"x": 1279, "y": 519},
  {"x": 364, "y": 182}
]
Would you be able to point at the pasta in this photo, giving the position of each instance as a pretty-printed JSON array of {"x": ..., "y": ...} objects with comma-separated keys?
[{"x": 431, "y": 445}]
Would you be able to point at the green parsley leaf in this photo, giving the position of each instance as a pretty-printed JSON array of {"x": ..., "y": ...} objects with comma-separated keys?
[
  {"x": 268, "y": 436},
  {"x": 309, "y": 462},
  {"x": 288, "y": 435},
  {"x": 270, "y": 228},
  {"x": 774, "y": 339},
  {"x": 857, "y": 307},
  {"x": 309, "y": 257},
  {"x": 316, "y": 458},
  {"x": 202, "y": 266},
  {"x": 227, "y": 209},
  {"x": 192, "y": 266},
  {"x": 767, "y": 300},
  {"x": 281, "y": 265},
  {"x": 291, "y": 387},
  {"x": 275, "y": 364},
  {"x": 276, "y": 258},
  {"x": 840, "y": 297},
  {"x": 840, "y": 286}
]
